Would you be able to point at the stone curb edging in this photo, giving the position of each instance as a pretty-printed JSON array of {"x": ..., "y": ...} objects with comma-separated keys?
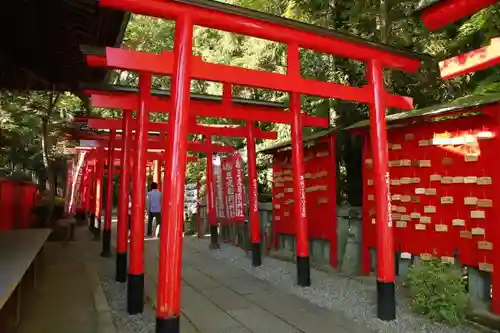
[{"x": 105, "y": 322}]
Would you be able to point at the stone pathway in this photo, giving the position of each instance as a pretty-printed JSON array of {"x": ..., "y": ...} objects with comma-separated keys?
[
  {"x": 63, "y": 300},
  {"x": 218, "y": 298}
]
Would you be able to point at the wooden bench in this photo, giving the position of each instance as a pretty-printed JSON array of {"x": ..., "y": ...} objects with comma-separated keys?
[{"x": 19, "y": 250}]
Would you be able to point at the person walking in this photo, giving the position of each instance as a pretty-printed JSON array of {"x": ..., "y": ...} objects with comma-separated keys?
[{"x": 153, "y": 206}]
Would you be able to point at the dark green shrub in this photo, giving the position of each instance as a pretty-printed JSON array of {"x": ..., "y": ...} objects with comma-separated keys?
[
  {"x": 438, "y": 292},
  {"x": 42, "y": 210}
]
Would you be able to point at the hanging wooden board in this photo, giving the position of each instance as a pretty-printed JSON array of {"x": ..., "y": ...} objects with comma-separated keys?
[
  {"x": 415, "y": 215},
  {"x": 477, "y": 214},
  {"x": 425, "y": 219},
  {"x": 409, "y": 136},
  {"x": 447, "y": 161},
  {"x": 401, "y": 209},
  {"x": 420, "y": 190},
  {"x": 420, "y": 226},
  {"x": 429, "y": 209},
  {"x": 471, "y": 158},
  {"x": 396, "y": 197},
  {"x": 485, "y": 203},
  {"x": 396, "y": 147},
  {"x": 446, "y": 200},
  {"x": 405, "y": 163},
  {"x": 435, "y": 178},
  {"x": 430, "y": 191},
  {"x": 405, "y": 198},
  {"x": 405, "y": 181},
  {"x": 448, "y": 260},
  {"x": 406, "y": 218},
  {"x": 371, "y": 197},
  {"x": 401, "y": 224},
  {"x": 424, "y": 163},
  {"x": 458, "y": 222},
  {"x": 485, "y": 267},
  {"x": 424, "y": 143},
  {"x": 415, "y": 199},
  {"x": 466, "y": 234},
  {"x": 395, "y": 182},
  {"x": 470, "y": 180},
  {"x": 458, "y": 180},
  {"x": 441, "y": 227},
  {"x": 447, "y": 180},
  {"x": 415, "y": 180},
  {"x": 484, "y": 181},
  {"x": 425, "y": 256},
  {"x": 470, "y": 201},
  {"x": 484, "y": 245},
  {"x": 478, "y": 231}
]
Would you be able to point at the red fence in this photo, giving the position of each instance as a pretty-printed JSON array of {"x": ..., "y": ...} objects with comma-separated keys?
[
  {"x": 17, "y": 200},
  {"x": 320, "y": 182},
  {"x": 444, "y": 181}
]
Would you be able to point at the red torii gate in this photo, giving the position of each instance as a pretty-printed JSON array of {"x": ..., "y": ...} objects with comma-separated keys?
[
  {"x": 115, "y": 142},
  {"x": 235, "y": 19},
  {"x": 440, "y": 13},
  {"x": 249, "y": 132}
]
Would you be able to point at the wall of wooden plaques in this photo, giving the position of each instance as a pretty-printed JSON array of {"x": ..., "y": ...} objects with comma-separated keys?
[
  {"x": 444, "y": 189},
  {"x": 320, "y": 174}
]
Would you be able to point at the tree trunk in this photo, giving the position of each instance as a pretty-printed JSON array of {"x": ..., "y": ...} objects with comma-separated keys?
[{"x": 47, "y": 160}]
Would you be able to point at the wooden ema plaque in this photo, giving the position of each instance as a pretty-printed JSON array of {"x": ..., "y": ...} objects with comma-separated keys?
[
  {"x": 484, "y": 181},
  {"x": 486, "y": 267},
  {"x": 429, "y": 209},
  {"x": 485, "y": 203},
  {"x": 458, "y": 223},
  {"x": 484, "y": 245}
]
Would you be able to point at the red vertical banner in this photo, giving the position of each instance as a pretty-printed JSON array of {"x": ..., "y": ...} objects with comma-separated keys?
[
  {"x": 69, "y": 184},
  {"x": 239, "y": 189},
  {"x": 227, "y": 167},
  {"x": 218, "y": 189}
]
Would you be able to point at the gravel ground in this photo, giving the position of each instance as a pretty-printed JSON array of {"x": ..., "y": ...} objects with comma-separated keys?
[
  {"x": 355, "y": 299},
  {"x": 116, "y": 294}
]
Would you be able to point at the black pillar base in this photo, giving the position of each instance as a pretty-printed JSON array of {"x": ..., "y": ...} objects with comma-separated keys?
[
  {"x": 168, "y": 325},
  {"x": 106, "y": 243},
  {"x": 386, "y": 301},
  {"x": 121, "y": 267},
  {"x": 135, "y": 294},
  {"x": 91, "y": 222},
  {"x": 214, "y": 237},
  {"x": 256, "y": 255},
  {"x": 303, "y": 272},
  {"x": 97, "y": 231}
]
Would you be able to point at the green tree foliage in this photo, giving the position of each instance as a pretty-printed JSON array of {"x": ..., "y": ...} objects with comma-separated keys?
[{"x": 32, "y": 128}]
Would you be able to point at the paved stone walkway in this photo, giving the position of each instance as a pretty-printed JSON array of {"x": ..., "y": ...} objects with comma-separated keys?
[
  {"x": 219, "y": 298},
  {"x": 62, "y": 301}
]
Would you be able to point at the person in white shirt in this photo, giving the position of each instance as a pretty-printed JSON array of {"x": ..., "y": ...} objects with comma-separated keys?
[{"x": 153, "y": 206}]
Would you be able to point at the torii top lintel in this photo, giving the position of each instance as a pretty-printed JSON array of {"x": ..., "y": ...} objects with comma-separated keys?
[
  {"x": 162, "y": 64},
  {"x": 443, "y": 12},
  {"x": 122, "y": 98},
  {"x": 244, "y": 21},
  {"x": 194, "y": 128}
]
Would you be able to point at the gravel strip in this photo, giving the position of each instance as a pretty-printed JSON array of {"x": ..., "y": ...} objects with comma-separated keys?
[
  {"x": 356, "y": 300},
  {"x": 116, "y": 294}
]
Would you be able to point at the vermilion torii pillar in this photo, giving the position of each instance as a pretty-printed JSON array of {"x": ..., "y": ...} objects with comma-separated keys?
[
  {"x": 253, "y": 198},
  {"x": 168, "y": 301},
  {"x": 386, "y": 303},
  {"x": 106, "y": 233},
  {"x": 123, "y": 194},
  {"x": 98, "y": 193},
  {"x": 135, "y": 291},
  {"x": 299, "y": 190},
  {"x": 212, "y": 215}
]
